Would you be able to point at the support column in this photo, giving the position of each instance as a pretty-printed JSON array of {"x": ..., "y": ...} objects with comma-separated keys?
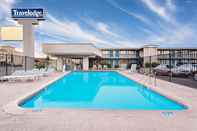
[
  {"x": 150, "y": 50},
  {"x": 60, "y": 64},
  {"x": 85, "y": 63},
  {"x": 28, "y": 42}
]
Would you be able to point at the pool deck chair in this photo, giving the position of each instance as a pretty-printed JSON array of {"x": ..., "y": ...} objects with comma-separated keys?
[
  {"x": 28, "y": 75},
  {"x": 133, "y": 68}
]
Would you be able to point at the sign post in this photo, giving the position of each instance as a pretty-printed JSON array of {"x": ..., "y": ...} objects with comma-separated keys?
[{"x": 28, "y": 18}]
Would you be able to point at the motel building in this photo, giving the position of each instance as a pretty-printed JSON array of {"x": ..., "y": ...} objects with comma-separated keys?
[{"x": 86, "y": 56}]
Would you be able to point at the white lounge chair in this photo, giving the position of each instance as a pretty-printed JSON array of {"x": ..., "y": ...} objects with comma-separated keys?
[
  {"x": 21, "y": 75},
  {"x": 94, "y": 67},
  {"x": 42, "y": 72},
  {"x": 99, "y": 67},
  {"x": 47, "y": 72},
  {"x": 12, "y": 78},
  {"x": 105, "y": 67},
  {"x": 123, "y": 66},
  {"x": 133, "y": 68},
  {"x": 2, "y": 78}
]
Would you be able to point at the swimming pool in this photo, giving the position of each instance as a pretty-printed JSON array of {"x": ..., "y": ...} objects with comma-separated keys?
[{"x": 99, "y": 90}]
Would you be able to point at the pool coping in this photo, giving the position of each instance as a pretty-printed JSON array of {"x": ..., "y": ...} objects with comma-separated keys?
[
  {"x": 154, "y": 88},
  {"x": 14, "y": 108}
]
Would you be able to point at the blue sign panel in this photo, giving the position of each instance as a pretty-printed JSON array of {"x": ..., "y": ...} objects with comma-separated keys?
[{"x": 19, "y": 13}]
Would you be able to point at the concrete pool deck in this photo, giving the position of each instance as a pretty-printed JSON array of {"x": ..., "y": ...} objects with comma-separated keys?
[{"x": 96, "y": 120}]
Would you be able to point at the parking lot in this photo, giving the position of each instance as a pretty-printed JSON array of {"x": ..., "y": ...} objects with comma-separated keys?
[{"x": 187, "y": 81}]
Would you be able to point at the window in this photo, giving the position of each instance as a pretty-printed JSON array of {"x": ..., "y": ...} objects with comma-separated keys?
[{"x": 117, "y": 53}]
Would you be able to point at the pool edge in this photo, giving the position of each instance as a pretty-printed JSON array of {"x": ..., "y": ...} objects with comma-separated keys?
[
  {"x": 174, "y": 98},
  {"x": 14, "y": 106}
]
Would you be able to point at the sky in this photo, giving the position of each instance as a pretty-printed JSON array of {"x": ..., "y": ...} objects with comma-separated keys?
[{"x": 110, "y": 23}]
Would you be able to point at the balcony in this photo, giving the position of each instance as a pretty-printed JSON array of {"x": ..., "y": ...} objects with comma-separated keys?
[
  {"x": 120, "y": 56},
  {"x": 167, "y": 56}
]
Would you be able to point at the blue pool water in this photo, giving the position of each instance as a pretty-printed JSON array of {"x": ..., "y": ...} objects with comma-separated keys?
[{"x": 99, "y": 90}]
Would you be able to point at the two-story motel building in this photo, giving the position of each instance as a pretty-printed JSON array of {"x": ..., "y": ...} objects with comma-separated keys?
[{"x": 86, "y": 56}]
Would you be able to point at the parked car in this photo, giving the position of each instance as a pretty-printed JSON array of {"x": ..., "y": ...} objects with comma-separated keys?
[
  {"x": 181, "y": 73},
  {"x": 183, "y": 70},
  {"x": 194, "y": 69},
  {"x": 195, "y": 76},
  {"x": 162, "y": 69},
  {"x": 194, "y": 72}
]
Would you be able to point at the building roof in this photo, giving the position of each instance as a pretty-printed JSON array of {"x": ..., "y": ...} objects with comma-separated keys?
[
  {"x": 80, "y": 49},
  {"x": 9, "y": 49},
  {"x": 7, "y": 46},
  {"x": 150, "y": 46},
  {"x": 178, "y": 48}
]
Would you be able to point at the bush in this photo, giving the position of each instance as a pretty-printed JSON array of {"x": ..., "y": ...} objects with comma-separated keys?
[
  {"x": 155, "y": 64},
  {"x": 109, "y": 65},
  {"x": 39, "y": 65},
  {"x": 116, "y": 66},
  {"x": 147, "y": 65}
]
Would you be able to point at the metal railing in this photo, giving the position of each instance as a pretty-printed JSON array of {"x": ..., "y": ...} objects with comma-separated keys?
[
  {"x": 177, "y": 67},
  {"x": 120, "y": 56},
  {"x": 181, "y": 69},
  {"x": 10, "y": 63}
]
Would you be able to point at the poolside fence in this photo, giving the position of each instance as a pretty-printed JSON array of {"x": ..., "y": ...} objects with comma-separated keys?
[
  {"x": 10, "y": 63},
  {"x": 177, "y": 67},
  {"x": 180, "y": 67}
]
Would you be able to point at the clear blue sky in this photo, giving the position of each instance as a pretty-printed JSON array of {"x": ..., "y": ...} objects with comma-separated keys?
[{"x": 112, "y": 23}]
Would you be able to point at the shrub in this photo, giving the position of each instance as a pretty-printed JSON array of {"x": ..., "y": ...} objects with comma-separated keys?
[
  {"x": 109, "y": 66},
  {"x": 147, "y": 65},
  {"x": 116, "y": 66},
  {"x": 155, "y": 64},
  {"x": 39, "y": 65}
]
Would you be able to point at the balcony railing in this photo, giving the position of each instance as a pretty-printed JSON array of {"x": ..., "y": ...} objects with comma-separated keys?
[
  {"x": 183, "y": 56},
  {"x": 120, "y": 56}
]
